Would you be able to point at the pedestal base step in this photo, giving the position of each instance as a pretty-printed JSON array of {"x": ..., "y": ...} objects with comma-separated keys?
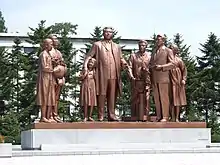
[
  {"x": 5, "y": 150},
  {"x": 34, "y": 138},
  {"x": 121, "y": 147},
  {"x": 118, "y": 125}
]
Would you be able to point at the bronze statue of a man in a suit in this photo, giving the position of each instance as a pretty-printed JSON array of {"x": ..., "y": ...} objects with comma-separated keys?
[
  {"x": 108, "y": 72},
  {"x": 162, "y": 61}
]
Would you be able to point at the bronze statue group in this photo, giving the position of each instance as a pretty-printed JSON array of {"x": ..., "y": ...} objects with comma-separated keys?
[{"x": 163, "y": 72}]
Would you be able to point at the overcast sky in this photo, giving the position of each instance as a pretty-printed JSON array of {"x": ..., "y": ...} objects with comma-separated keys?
[{"x": 137, "y": 19}]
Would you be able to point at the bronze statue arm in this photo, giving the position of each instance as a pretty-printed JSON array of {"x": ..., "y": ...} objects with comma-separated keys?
[
  {"x": 89, "y": 55},
  {"x": 126, "y": 66},
  {"x": 83, "y": 75},
  {"x": 183, "y": 70},
  {"x": 45, "y": 63}
]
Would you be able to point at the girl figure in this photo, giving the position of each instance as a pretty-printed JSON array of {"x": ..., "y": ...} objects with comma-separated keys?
[
  {"x": 88, "y": 90},
  {"x": 178, "y": 79}
]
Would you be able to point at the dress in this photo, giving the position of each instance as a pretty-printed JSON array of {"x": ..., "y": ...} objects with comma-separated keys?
[
  {"x": 45, "y": 81},
  {"x": 88, "y": 89},
  {"x": 178, "y": 89}
]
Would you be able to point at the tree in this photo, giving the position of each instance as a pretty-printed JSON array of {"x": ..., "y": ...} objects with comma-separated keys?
[
  {"x": 3, "y": 61},
  {"x": 10, "y": 128},
  {"x": 208, "y": 92},
  {"x": 64, "y": 29},
  {"x": 152, "y": 45},
  {"x": 95, "y": 36},
  {"x": 9, "y": 124},
  {"x": 123, "y": 103},
  {"x": 11, "y": 89},
  {"x": 3, "y": 29}
]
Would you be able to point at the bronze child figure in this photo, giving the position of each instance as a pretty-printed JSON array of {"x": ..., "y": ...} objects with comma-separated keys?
[{"x": 88, "y": 90}]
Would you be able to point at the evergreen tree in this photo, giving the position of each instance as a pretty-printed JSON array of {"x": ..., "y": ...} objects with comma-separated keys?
[
  {"x": 95, "y": 36},
  {"x": 4, "y": 69},
  {"x": 10, "y": 128},
  {"x": 152, "y": 45},
  {"x": 11, "y": 89},
  {"x": 9, "y": 123},
  {"x": 3, "y": 60},
  {"x": 123, "y": 103},
  {"x": 13, "y": 83},
  {"x": 64, "y": 29},
  {"x": 3, "y": 29},
  {"x": 208, "y": 92}
]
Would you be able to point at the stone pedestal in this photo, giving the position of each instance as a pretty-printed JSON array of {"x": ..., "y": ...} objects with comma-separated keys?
[
  {"x": 5, "y": 150},
  {"x": 115, "y": 135}
]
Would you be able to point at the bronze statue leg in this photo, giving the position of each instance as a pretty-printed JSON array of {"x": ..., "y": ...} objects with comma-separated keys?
[
  {"x": 173, "y": 116},
  {"x": 101, "y": 106},
  {"x": 133, "y": 109},
  {"x": 133, "y": 100},
  {"x": 165, "y": 102},
  {"x": 133, "y": 106},
  {"x": 141, "y": 107},
  {"x": 55, "y": 109},
  {"x": 85, "y": 109},
  {"x": 90, "y": 113},
  {"x": 44, "y": 114},
  {"x": 177, "y": 109},
  {"x": 111, "y": 98},
  {"x": 49, "y": 112},
  {"x": 147, "y": 109},
  {"x": 157, "y": 101}
]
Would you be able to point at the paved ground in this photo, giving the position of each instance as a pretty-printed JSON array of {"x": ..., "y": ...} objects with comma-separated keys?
[{"x": 118, "y": 159}]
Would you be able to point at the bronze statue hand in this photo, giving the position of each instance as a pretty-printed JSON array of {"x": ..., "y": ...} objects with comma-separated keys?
[
  {"x": 158, "y": 67},
  {"x": 56, "y": 70},
  {"x": 132, "y": 77},
  {"x": 183, "y": 82}
]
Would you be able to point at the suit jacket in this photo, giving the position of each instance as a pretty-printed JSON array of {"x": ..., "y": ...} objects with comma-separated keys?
[
  {"x": 98, "y": 51},
  {"x": 164, "y": 57},
  {"x": 137, "y": 63}
]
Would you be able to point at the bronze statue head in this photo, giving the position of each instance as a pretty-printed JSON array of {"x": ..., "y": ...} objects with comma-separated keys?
[
  {"x": 47, "y": 44},
  {"x": 108, "y": 33},
  {"x": 142, "y": 44},
  {"x": 175, "y": 49},
  {"x": 160, "y": 40},
  {"x": 91, "y": 63},
  {"x": 55, "y": 40}
]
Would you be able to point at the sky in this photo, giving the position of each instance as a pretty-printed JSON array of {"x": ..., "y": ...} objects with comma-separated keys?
[{"x": 137, "y": 19}]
